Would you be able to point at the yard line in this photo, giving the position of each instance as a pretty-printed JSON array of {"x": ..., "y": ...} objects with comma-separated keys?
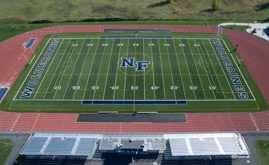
[
  {"x": 187, "y": 64},
  {"x": 239, "y": 69},
  {"x": 31, "y": 69},
  {"x": 192, "y": 100},
  {"x": 144, "y": 73},
  {"x": 222, "y": 69},
  {"x": 162, "y": 69},
  {"x": 197, "y": 71},
  {"x": 207, "y": 75},
  {"x": 114, "y": 91},
  {"x": 134, "y": 83},
  {"x": 138, "y": 53},
  {"x": 91, "y": 69},
  {"x": 99, "y": 71},
  {"x": 147, "y": 74},
  {"x": 108, "y": 68},
  {"x": 49, "y": 68},
  {"x": 173, "y": 38},
  {"x": 179, "y": 69},
  {"x": 124, "y": 89},
  {"x": 80, "y": 75},
  {"x": 72, "y": 70},
  {"x": 171, "y": 74},
  {"x": 54, "y": 74},
  {"x": 153, "y": 72},
  {"x": 61, "y": 76}
]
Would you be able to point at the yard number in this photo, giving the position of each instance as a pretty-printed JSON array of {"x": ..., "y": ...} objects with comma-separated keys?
[
  {"x": 166, "y": 44},
  {"x": 154, "y": 88},
  {"x": 134, "y": 87},
  {"x": 89, "y": 45},
  {"x": 120, "y": 44},
  {"x": 212, "y": 87},
  {"x": 114, "y": 87},
  {"x": 173, "y": 87},
  {"x": 193, "y": 87},
  {"x": 95, "y": 87},
  {"x": 76, "y": 87},
  {"x": 57, "y": 87}
]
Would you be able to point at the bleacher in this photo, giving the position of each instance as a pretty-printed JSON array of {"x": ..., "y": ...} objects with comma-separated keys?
[{"x": 134, "y": 149}]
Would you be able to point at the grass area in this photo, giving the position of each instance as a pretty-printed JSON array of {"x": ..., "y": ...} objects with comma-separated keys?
[
  {"x": 62, "y": 10},
  {"x": 197, "y": 77},
  {"x": 262, "y": 150},
  {"x": 5, "y": 149},
  {"x": 10, "y": 30},
  {"x": 241, "y": 28}
]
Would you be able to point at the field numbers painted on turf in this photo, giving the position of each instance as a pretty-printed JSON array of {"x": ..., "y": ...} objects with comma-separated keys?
[
  {"x": 243, "y": 95},
  {"x": 166, "y": 44},
  {"x": 151, "y": 44},
  {"x": 135, "y": 44},
  {"x": 181, "y": 45},
  {"x": 154, "y": 88},
  {"x": 212, "y": 87},
  {"x": 76, "y": 87},
  {"x": 74, "y": 45},
  {"x": 134, "y": 87},
  {"x": 236, "y": 80},
  {"x": 95, "y": 87},
  {"x": 105, "y": 44},
  {"x": 120, "y": 44},
  {"x": 196, "y": 45},
  {"x": 173, "y": 87},
  {"x": 57, "y": 87},
  {"x": 89, "y": 45},
  {"x": 115, "y": 87},
  {"x": 193, "y": 87},
  {"x": 239, "y": 88}
]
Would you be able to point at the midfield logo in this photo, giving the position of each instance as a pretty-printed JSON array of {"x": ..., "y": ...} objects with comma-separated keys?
[{"x": 130, "y": 63}]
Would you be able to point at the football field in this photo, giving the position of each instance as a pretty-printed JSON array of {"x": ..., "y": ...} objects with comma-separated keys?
[{"x": 135, "y": 69}]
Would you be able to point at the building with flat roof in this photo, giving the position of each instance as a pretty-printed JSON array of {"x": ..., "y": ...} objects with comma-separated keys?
[{"x": 170, "y": 146}]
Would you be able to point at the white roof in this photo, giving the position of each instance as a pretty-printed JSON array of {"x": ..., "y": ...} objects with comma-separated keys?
[
  {"x": 182, "y": 144},
  {"x": 207, "y": 144},
  {"x": 61, "y": 144}
]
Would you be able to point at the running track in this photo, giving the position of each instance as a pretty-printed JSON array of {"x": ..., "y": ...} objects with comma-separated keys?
[{"x": 254, "y": 52}]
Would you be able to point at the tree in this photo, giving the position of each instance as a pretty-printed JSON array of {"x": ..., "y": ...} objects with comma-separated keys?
[
  {"x": 216, "y": 4},
  {"x": 170, "y": 1}
]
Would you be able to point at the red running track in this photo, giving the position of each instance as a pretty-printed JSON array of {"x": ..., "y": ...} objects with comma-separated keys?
[
  {"x": 254, "y": 52},
  {"x": 206, "y": 122}
]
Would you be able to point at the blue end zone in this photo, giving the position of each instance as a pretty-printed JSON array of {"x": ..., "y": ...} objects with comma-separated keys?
[
  {"x": 122, "y": 102},
  {"x": 3, "y": 92},
  {"x": 30, "y": 43},
  {"x": 135, "y": 37}
]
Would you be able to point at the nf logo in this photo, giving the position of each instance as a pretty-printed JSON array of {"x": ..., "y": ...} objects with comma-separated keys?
[{"x": 130, "y": 62}]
